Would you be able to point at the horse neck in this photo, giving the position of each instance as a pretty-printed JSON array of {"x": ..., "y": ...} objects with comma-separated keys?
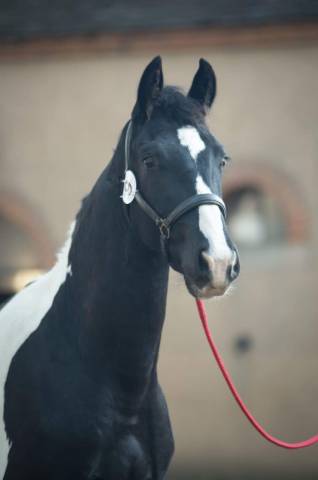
[{"x": 119, "y": 288}]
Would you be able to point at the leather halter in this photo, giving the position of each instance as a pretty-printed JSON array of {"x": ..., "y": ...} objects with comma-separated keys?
[{"x": 165, "y": 223}]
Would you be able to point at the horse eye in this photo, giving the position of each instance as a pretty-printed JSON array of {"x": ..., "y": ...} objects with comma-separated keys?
[
  {"x": 224, "y": 161},
  {"x": 149, "y": 162}
]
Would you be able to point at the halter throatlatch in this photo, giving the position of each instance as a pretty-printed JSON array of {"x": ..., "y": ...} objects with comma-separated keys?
[{"x": 130, "y": 193}]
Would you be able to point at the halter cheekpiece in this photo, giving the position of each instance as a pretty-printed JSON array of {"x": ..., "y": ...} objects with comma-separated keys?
[{"x": 131, "y": 192}]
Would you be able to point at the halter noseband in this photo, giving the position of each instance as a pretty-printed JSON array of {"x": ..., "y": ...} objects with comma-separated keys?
[{"x": 164, "y": 223}]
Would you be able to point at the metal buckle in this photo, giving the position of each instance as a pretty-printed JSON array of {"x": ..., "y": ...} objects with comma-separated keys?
[{"x": 164, "y": 229}]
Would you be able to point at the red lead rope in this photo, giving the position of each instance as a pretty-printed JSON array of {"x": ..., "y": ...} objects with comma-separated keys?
[{"x": 257, "y": 426}]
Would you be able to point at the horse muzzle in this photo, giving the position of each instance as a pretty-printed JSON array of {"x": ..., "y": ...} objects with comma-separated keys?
[{"x": 215, "y": 276}]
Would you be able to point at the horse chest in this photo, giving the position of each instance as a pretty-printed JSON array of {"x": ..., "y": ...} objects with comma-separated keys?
[{"x": 71, "y": 421}]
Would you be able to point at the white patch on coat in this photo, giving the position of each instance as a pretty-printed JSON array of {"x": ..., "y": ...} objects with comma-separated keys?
[
  {"x": 189, "y": 137},
  {"x": 20, "y": 318},
  {"x": 211, "y": 225}
]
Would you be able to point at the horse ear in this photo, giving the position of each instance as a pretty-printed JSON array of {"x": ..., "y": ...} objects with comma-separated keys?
[
  {"x": 150, "y": 86},
  {"x": 203, "y": 88}
]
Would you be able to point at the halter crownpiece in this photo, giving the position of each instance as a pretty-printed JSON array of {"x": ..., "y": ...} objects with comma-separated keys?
[{"x": 130, "y": 193}]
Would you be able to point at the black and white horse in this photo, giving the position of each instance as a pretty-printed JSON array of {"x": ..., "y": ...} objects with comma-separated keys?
[{"x": 79, "y": 394}]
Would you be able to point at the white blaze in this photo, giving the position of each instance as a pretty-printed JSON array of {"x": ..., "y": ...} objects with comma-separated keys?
[
  {"x": 210, "y": 217},
  {"x": 211, "y": 225},
  {"x": 20, "y": 318},
  {"x": 189, "y": 137}
]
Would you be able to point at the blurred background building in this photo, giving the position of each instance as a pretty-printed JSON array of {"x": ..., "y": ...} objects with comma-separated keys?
[{"x": 68, "y": 77}]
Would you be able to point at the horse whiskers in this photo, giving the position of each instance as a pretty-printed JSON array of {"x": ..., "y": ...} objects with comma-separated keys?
[
  {"x": 227, "y": 293},
  {"x": 230, "y": 290}
]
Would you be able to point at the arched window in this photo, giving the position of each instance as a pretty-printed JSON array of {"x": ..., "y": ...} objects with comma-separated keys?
[
  {"x": 255, "y": 219},
  {"x": 264, "y": 209}
]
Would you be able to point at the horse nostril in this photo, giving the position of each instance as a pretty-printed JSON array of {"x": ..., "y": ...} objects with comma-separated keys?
[
  {"x": 206, "y": 261},
  {"x": 235, "y": 268},
  {"x": 204, "y": 271}
]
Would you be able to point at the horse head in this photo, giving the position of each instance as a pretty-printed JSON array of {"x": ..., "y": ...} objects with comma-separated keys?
[{"x": 171, "y": 157}]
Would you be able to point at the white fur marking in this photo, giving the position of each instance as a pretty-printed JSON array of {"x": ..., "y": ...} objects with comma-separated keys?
[
  {"x": 20, "y": 318},
  {"x": 211, "y": 225},
  {"x": 189, "y": 137}
]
